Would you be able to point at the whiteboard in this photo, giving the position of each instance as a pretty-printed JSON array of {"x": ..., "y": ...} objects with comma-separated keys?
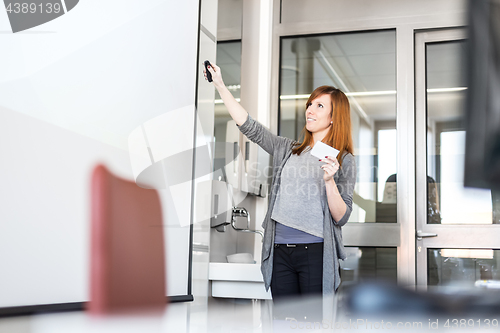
[{"x": 72, "y": 91}]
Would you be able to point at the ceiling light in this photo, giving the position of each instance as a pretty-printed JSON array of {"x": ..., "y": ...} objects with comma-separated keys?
[
  {"x": 219, "y": 101},
  {"x": 354, "y": 94},
  {"x": 234, "y": 87},
  {"x": 349, "y": 94},
  {"x": 376, "y": 93},
  {"x": 441, "y": 90}
]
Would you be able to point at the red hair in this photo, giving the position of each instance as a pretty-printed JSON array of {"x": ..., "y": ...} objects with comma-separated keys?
[{"x": 339, "y": 136}]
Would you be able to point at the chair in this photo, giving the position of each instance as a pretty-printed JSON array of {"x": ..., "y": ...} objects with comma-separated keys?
[{"x": 127, "y": 249}]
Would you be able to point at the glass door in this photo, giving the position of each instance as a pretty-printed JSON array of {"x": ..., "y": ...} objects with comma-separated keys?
[
  {"x": 363, "y": 65},
  {"x": 457, "y": 238}
]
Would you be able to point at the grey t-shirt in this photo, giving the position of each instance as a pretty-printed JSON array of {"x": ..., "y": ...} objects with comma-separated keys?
[{"x": 299, "y": 200}]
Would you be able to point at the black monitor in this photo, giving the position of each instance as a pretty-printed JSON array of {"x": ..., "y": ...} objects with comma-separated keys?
[{"x": 482, "y": 150}]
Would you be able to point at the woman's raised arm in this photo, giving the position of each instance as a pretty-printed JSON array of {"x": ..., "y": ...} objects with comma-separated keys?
[{"x": 237, "y": 112}]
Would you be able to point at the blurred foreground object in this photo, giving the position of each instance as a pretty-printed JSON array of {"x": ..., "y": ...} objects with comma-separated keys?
[
  {"x": 482, "y": 150},
  {"x": 382, "y": 299},
  {"x": 127, "y": 247}
]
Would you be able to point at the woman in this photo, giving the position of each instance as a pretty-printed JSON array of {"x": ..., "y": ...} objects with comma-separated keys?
[{"x": 310, "y": 200}]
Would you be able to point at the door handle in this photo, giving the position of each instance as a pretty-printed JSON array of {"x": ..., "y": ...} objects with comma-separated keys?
[{"x": 421, "y": 234}]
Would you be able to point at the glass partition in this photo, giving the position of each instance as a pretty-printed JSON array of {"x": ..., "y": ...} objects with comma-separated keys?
[
  {"x": 462, "y": 266},
  {"x": 448, "y": 201},
  {"x": 362, "y": 65},
  {"x": 229, "y": 60},
  {"x": 369, "y": 264}
]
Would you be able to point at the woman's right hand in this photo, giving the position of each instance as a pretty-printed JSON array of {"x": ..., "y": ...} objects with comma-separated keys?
[{"x": 216, "y": 75}]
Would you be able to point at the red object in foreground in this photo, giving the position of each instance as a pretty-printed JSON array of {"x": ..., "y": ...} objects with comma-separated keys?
[{"x": 127, "y": 247}]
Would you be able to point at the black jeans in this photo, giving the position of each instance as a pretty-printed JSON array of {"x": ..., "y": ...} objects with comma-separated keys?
[{"x": 297, "y": 270}]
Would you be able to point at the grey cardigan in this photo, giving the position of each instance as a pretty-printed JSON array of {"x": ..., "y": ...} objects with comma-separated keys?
[{"x": 281, "y": 149}]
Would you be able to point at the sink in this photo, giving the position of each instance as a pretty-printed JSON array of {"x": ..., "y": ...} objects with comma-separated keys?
[
  {"x": 241, "y": 258},
  {"x": 234, "y": 272}
]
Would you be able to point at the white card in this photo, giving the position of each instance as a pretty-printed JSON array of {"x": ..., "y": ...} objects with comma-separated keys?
[{"x": 320, "y": 150}]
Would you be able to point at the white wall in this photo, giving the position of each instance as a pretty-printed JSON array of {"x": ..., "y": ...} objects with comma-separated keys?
[{"x": 71, "y": 93}]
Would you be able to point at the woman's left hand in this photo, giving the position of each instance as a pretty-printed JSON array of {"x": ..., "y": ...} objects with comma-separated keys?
[{"x": 331, "y": 167}]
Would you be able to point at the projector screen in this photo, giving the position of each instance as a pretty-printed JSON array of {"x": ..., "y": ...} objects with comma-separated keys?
[{"x": 73, "y": 89}]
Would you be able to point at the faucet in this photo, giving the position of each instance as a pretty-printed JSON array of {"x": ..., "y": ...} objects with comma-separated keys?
[{"x": 242, "y": 212}]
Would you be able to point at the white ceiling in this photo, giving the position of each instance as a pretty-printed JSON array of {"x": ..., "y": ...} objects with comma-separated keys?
[
  {"x": 352, "y": 62},
  {"x": 357, "y": 62}
]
